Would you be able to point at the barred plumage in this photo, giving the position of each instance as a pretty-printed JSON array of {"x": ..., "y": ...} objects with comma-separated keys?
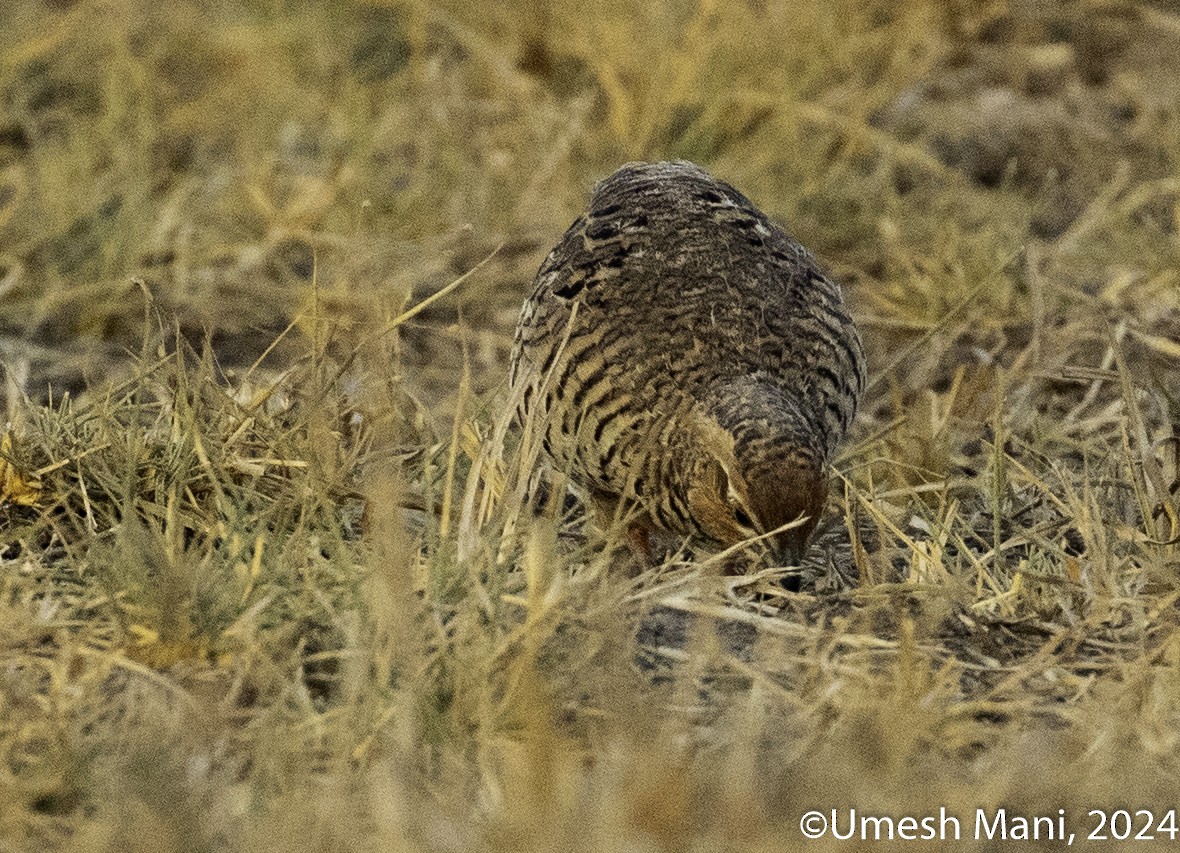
[{"x": 684, "y": 355}]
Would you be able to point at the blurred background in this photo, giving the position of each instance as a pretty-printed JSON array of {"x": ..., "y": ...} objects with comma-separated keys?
[{"x": 239, "y": 163}]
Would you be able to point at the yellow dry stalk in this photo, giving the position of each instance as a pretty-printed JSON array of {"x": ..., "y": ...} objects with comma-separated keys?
[
  {"x": 149, "y": 648},
  {"x": 927, "y": 565},
  {"x": 248, "y": 573},
  {"x": 457, "y": 433},
  {"x": 1164, "y": 346},
  {"x": 1004, "y": 602},
  {"x": 16, "y": 487},
  {"x": 489, "y": 467}
]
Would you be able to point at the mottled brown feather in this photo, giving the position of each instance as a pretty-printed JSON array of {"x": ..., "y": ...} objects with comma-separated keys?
[{"x": 683, "y": 355}]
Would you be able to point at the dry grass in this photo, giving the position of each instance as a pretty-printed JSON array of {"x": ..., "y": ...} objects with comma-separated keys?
[{"x": 215, "y": 222}]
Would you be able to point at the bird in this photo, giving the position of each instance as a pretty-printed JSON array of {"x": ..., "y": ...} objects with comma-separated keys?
[{"x": 688, "y": 364}]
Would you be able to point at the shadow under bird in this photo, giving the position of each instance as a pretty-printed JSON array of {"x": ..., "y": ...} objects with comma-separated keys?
[{"x": 688, "y": 363}]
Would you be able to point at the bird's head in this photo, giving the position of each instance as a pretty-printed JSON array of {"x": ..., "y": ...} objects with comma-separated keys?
[{"x": 756, "y": 475}]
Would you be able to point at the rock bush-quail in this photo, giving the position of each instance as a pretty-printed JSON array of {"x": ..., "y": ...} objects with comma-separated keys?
[{"x": 688, "y": 363}]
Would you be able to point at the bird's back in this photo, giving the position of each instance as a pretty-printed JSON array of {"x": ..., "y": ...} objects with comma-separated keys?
[{"x": 671, "y": 283}]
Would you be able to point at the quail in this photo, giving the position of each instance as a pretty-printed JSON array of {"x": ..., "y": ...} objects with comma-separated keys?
[{"x": 688, "y": 363}]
